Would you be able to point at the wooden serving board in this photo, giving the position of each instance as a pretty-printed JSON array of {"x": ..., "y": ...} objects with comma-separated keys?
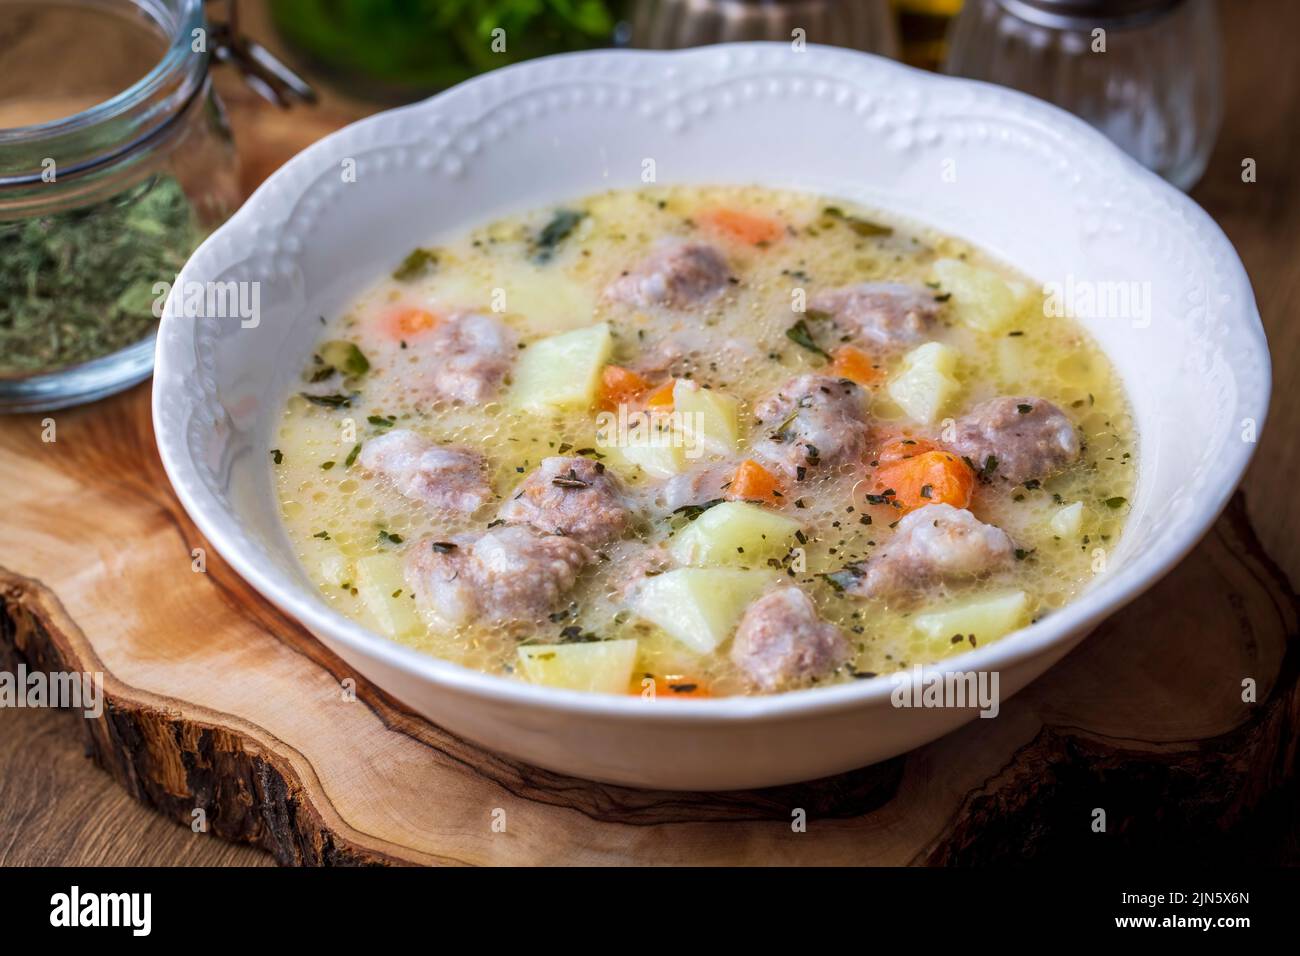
[{"x": 218, "y": 703}]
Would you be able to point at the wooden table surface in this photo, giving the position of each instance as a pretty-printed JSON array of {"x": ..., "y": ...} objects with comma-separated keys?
[{"x": 56, "y": 807}]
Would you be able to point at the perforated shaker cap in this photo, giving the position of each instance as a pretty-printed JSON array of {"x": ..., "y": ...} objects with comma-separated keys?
[{"x": 1078, "y": 14}]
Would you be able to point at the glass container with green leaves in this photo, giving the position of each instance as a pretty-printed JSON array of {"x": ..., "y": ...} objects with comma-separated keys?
[
  {"x": 115, "y": 161},
  {"x": 402, "y": 51}
]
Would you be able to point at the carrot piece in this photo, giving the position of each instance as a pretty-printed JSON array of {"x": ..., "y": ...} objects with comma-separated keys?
[
  {"x": 662, "y": 396},
  {"x": 409, "y": 320},
  {"x": 753, "y": 482},
  {"x": 620, "y": 386},
  {"x": 673, "y": 685},
  {"x": 904, "y": 447},
  {"x": 746, "y": 227},
  {"x": 932, "y": 477},
  {"x": 852, "y": 363}
]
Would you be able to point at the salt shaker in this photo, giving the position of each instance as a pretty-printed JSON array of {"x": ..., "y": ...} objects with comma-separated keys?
[{"x": 1145, "y": 72}]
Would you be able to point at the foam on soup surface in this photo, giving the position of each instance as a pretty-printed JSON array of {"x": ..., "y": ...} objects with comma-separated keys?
[{"x": 702, "y": 441}]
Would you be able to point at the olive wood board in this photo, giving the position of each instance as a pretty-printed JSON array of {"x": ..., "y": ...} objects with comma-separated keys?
[{"x": 217, "y": 702}]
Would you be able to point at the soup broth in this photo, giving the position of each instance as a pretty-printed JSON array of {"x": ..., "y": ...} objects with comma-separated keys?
[{"x": 598, "y": 445}]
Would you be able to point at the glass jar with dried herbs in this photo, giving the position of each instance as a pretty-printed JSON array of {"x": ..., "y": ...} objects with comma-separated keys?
[{"x": 115, "y": 161}]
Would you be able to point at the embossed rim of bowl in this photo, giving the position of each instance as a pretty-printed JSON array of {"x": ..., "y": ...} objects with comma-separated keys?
[{"x": 176, "y": 355}]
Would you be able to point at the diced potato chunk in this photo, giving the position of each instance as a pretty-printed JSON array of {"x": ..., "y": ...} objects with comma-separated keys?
[
  {"x": 335, "y": 568},
  {"x": 981, "y": 299},
  {"x": 546, "y": 299},
  {"x": 699, "y": 606},
  {"x": 659, "y": 460},
  {"x": 988, "y": 617},
  {"x": 926, "y": 383},
  {"x": 382, "y": 587},
  {"x": 604, "y": 666},
  {"x": 563, "y": 371},
  {"x": 734, "y": 532},
  {"x": 1067, "y": 521},
  {"x": 711, "y": 417}
]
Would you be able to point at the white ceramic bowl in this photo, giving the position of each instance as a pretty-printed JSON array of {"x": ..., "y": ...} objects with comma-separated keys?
[{"x": 1025, "y": 181}]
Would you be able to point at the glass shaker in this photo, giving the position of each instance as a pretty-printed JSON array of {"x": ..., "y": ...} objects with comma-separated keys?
[
  {"x": 1146, "y": 73},
  {"x": 672, "y": 24}
]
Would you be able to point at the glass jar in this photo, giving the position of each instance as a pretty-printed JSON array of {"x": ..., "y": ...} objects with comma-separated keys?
[
  {"x": 400, "y": 52},
  {"x": 1145, "y": 72},
  {"x": 672, "y": 24},
  {"x": 115, "y": 161}
]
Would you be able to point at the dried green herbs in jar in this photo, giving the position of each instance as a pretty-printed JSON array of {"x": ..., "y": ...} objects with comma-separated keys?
[
  {"x": 78, "y": 285},
  {"x": 112, "y": 170}
]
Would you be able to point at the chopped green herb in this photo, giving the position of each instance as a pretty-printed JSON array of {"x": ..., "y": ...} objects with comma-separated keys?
[
  {"x": 1116, "y": 502},
  {"x": 344, "y": 356},
  {"x": 352, "y": 455},
  {"x": 863, "y": 227},
  {"x": 329, "y": 401},
  {"x": 800, "y": 335},
  {"x": 418, "y": 263},
  {"x": 277, "y": 456},
  {"x": 390, "y": 537},
  {"x": 571, "y": 480},
  {"x": 555, "y": 232},
  {"x": 691, "y": 512},
  {"x": 844, "y": 578},
  {"x": 576, "y": 635}
]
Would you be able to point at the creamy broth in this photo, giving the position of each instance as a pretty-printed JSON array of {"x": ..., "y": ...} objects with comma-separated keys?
[{"x": 549, "y": 273}]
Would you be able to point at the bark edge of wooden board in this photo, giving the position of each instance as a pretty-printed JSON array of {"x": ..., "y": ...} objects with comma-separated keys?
[{"x": 1163, "y": 794}]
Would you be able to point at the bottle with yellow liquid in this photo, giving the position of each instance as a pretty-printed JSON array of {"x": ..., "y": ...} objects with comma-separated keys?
[{"x": 923, "y": 29}]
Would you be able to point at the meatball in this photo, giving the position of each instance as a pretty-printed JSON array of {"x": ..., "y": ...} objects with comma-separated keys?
[
  {"x": 782, "y": 643},
  {"x": 1017, "y": 438},
  {"x": 813, "y": 420},
  {"x": 506, "y": 574},
  {"x": 465, "y": 358},
  {"x": 885, "y": 314},
  {"x": 636, "y": 561},
  {"x": 675, "y": 276},
  {"x": 440, "y": 476},
  {"x": 570, "y": 496},
  {"x": 933, "y": 545}
]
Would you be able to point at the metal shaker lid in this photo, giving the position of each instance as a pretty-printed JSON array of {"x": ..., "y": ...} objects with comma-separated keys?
[{"x": 1083, "y": 14}]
